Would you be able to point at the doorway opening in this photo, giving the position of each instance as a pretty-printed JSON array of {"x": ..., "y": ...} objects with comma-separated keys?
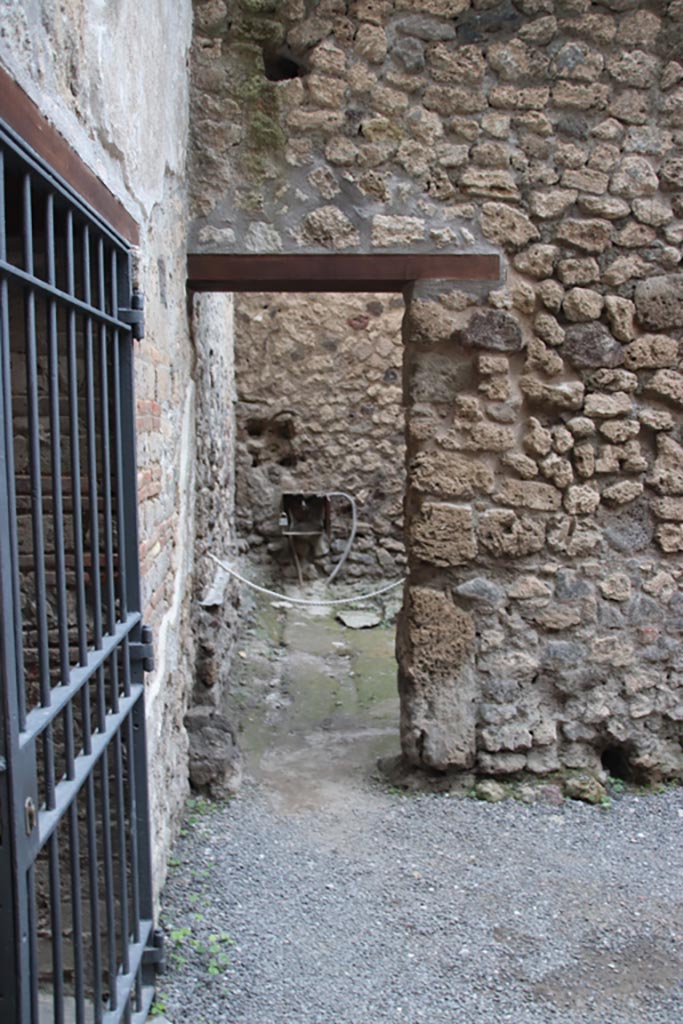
[
  {"x": 297, "y": 504},
  {"x": 319, "y": 482}
]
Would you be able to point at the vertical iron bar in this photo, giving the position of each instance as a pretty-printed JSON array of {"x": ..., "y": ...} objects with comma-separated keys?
[
  {"x": 91, "y": 432},
  {"x": 32, "y": 916},
  {"x": 56, "y": 452},
  {"x": 91, "y": 819},
  {"x": 56, "y": 929},
  {"x": 140, "y": 825},
  {"x": 106, "y": 478},
  {"x": 9, "y": 457},
  {"x": 118, "y": 343},
  {"x": 133, "y": 827},
  {"x": 123, "y": 612},
  {"x": 110, "y": 909},
  {"x": 34, "y": 448},
  {"x": 96, "y": 945},
  {"x": 77, "y": 913},
  {"x": 123, "y": 867},
  {"x": 15, "y": 936},
  {"x": 75, "y": 449}
]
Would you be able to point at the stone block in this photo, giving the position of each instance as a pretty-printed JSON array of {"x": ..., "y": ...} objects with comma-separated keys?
[
  {"x": 537, "y": 261},
  {"x": 669, "y": 536},
  {"x": 371, "y": 43},
  {"x": 634, "y": 177},
  {"x": 429, "y": 29},
  {"x": 410, "y": 52},
  {"x": 623, "y": 492},
  {"x": 659, "y": 301},
  {"x": 591, "y": 345},
  {"x": 621, "y": 315},
  {"x": 582, "y": 304},
  {"x": 604, "y": 406},
  {"x": 428, "y": 323},
  {"x": 505, "y": 534},
  {"x": 580, "y": 270},
  {"x": 667, "y": 472},
  {"x": 495, "y": 330},
  {"x": 529, "y": 494},
  {"x": 616, "y": 587},
  {"x": 492, "y": 182},
  {"x": 577, "y": 96},
  {"x": 585, "y": 179},
  {"x": 389, "y": 231},
  {"x": 506, "y": 226},
  {"x": 591, "y": 235},
  {"x": 510, "y": 97},
  {"x": 565, "y": 396},
  {"x": 512, "y": 736},
  {"x": 443, "y": 534},
  {"x": 668, "y": 385},
  {"x": 651, "y": 352},
  {"x": 609, "y": 207},
  {"x": 330, "y": 228},
  {"x": 656, "y": 419},
  {"x": 521, "y": 464},
  {"x": 582, "y": 499},
  {"x": 527, "y": 588},
  {"x": 436, "y": 681},
  {"x": 668, "y": 508},
  {"x": 448, "y": 474}
]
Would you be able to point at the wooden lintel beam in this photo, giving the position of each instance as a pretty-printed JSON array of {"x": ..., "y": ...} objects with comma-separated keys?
[
  {"x": 19, "y": 111},
  {"x": 313, "y": 272}
]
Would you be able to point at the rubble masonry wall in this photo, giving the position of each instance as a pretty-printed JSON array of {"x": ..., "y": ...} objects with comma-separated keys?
[{"x": 544, "y": 517}]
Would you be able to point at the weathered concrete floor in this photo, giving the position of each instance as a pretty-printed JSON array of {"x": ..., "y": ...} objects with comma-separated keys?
[{"x": 351, "y": 904}]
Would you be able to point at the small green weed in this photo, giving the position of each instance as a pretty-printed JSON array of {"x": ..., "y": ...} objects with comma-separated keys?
[
  {"x": 211, "y": 951},
  {"x": 158, "y": 1007}
]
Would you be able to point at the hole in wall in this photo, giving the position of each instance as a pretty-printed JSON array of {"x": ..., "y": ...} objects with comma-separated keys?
[
  {"x": 616, "y": 760},
  {"x": 281, "y": 66}
]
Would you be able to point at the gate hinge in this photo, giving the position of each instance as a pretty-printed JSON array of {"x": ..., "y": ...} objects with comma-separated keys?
[
  {"x": 155, "y": 953},
  {"x": 143, "y": 649},
  {"x": 134, "y": 315}
]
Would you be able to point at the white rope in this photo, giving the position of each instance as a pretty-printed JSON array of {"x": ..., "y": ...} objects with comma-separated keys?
[{"x": 301, "y": 600}]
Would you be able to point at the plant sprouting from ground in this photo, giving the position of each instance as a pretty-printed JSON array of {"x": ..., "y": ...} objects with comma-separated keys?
[{"x": 209, "y": 953}]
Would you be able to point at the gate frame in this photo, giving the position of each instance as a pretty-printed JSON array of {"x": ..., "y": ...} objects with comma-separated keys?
[{"x": 25, "y": 828}]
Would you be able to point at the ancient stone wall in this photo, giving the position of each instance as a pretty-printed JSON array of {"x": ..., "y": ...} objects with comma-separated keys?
[
  {"x": 320, "y": 410},
  {"x": 542, "y": 619},
  {"x": 214, "y": 760},
  {"x": 95, "y": 72}
]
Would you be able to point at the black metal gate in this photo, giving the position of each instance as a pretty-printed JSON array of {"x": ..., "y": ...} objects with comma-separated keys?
[{"x": 76, "y": 932}]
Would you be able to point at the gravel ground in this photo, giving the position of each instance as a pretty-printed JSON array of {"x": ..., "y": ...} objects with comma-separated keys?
[
  {"x": 321, "y": 896},
  {"x": 383, "y": 907}
]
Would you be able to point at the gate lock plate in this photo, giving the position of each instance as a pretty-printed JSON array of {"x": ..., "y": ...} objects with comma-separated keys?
[{"x": 30, "y": 815}]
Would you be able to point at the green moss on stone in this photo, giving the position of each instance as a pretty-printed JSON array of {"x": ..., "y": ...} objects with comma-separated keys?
[
  {"x": 260, "y": 6},
  {"x": 265, "y": 132},
  {"x": 265, "y": 31}
]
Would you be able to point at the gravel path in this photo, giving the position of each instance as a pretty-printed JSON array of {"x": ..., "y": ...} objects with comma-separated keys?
[
  {"x": 319, "y": 896},
  {"x": 428, "y": 908}
]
